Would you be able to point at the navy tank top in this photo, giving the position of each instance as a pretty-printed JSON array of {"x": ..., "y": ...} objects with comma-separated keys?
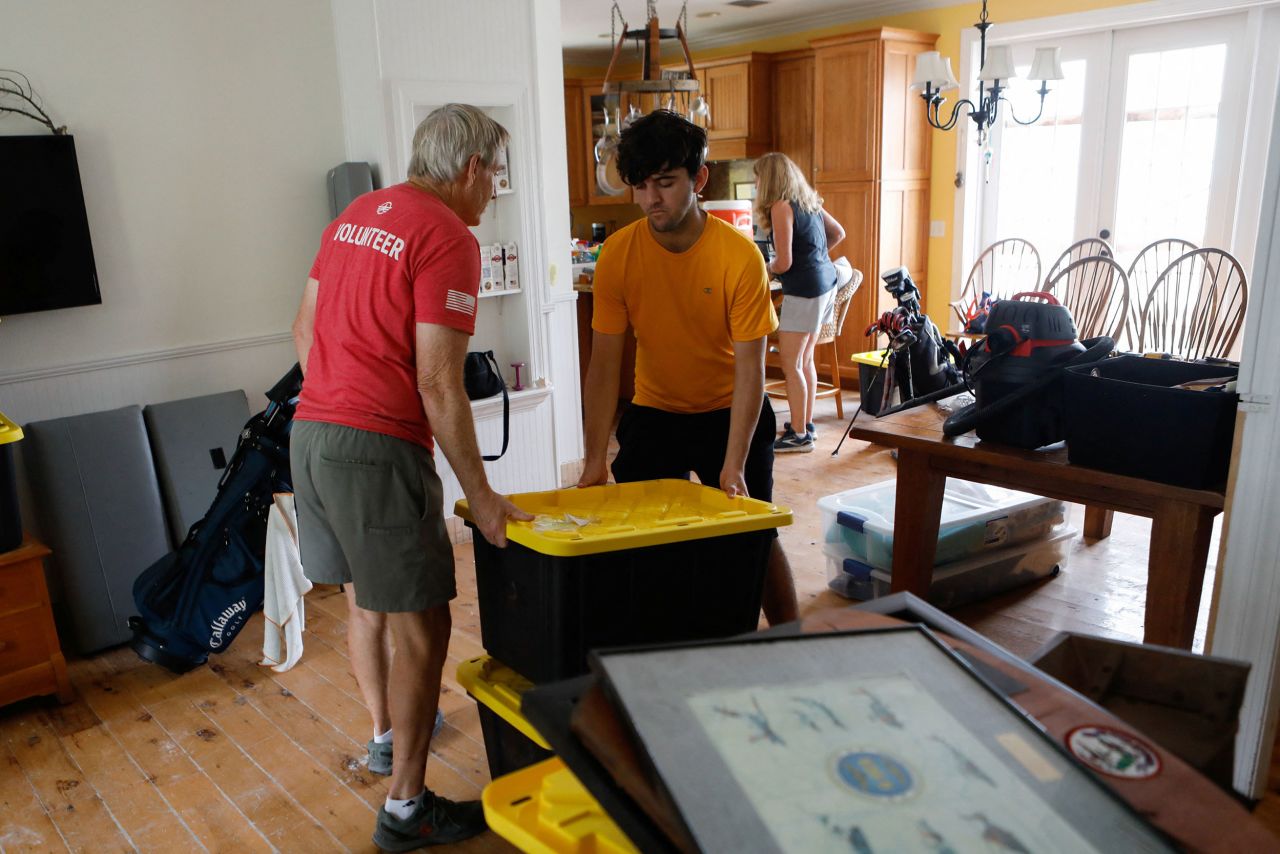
[{"x": 812, "y": 274}]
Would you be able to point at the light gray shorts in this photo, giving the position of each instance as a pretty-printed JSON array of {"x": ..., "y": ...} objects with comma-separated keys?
[
  {"x": 370, "y": 513},
  {"x": 807, "y": 314}
]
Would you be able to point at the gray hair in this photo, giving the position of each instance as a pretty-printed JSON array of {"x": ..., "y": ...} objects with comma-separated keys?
[{"x": 449, "y": 136}]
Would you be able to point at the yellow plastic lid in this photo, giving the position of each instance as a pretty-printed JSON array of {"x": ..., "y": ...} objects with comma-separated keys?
[
  {"x": 632, "y": 515},
  {"x": 499, "y": 689},
  {"x": 545, "y": 809},
  {"x": 9, "y": 432},
  {"x": 874, "y": 358}
]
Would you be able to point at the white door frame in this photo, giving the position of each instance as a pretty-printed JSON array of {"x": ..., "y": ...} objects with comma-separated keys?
[{"x": 1247, "y": 585}]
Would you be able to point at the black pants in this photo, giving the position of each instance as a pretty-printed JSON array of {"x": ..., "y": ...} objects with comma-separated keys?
[{"x": 654, "y": 443}]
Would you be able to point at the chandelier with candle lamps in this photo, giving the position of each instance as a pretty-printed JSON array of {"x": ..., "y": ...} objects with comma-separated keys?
[{"x": 933, "y": 76}]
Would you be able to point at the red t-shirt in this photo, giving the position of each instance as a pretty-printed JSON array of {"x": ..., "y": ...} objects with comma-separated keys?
[{"x": 392, "y": 259}]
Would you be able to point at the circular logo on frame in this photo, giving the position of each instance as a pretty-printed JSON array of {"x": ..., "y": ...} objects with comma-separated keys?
[
  {"x": 876, "y": 774},
  {"x": 1113, "y": 752}
]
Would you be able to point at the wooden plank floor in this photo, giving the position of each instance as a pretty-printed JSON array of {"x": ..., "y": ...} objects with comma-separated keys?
[{"x": 233, "y": 757}]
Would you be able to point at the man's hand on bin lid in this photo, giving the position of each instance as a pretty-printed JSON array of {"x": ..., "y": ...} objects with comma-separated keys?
[{"x": 491, "y": 512}]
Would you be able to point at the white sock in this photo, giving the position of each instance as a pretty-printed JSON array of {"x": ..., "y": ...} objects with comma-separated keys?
[
  {"x": 381, "y": 738},
  {"x": 402, "y": 809}
]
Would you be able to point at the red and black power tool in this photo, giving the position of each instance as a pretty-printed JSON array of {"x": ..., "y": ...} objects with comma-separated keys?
[{"x": 1016, "y": 371}]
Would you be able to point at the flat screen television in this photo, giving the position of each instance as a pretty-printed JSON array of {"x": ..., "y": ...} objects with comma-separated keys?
[{"x": 46, "y": 257}]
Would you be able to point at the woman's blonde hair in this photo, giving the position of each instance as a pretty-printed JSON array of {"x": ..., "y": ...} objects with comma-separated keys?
[{"x": 778, "y": 179}]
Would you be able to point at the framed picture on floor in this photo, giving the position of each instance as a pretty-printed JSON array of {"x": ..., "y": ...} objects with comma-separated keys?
[{"x": 875, "y": 740}]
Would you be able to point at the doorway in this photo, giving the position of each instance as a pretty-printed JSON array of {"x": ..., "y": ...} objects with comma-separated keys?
[{"x": 1140, "y": 142}]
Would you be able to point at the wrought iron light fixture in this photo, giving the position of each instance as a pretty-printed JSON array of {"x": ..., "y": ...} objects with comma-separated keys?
[
  {"x": 934, "y": 76},
  {"x": 678, "y": 91}
]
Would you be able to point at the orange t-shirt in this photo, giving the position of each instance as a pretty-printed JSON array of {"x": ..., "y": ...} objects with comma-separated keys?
[{"x": 687, "y": 310}]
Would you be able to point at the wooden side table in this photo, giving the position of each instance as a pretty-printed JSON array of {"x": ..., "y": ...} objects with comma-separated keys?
[{"x": 31, "y": 661}]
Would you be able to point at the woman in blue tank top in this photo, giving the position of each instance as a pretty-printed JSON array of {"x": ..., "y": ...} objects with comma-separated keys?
[{"x": 802, "y": 233}]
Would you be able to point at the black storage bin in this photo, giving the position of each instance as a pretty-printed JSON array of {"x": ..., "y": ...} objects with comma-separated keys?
[
  {"x": 540, "y": 614},
  {"x": 10, "y": 512},
  {"x": 871, "y": 382},
  {"x": 507, "y": 748},
  {"x": 1123, "y": 416}
]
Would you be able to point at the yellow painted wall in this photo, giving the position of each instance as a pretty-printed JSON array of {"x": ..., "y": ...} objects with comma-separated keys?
[{"x": 948, "y": 22}]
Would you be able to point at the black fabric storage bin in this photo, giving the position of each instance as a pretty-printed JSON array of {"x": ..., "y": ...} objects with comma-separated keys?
[
  {"x": 507, "y": 748},
  {"x": 10, "y": 512},
  {"x": 1123, "y": 416},
  {"x": 871, "y": 387},
  {"x": 540, "y": 614}
]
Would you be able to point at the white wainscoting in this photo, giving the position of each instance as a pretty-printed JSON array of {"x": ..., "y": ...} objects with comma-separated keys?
[
  {"x": 526, "y": 467},
  {"x": 562, "y": 350}
]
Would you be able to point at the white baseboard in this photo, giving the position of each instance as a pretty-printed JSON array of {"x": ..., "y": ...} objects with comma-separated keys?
[{"x": 570, "y": 472}]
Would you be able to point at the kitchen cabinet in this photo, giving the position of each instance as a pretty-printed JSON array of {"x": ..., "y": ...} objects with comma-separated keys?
[
  {"x": 793, "y": 108},
  {"x": 575, "y": 137},
  {"x": 871, "y": 163},
  {"x": 627, "y": 370},
  {"x": 739, "y": 93},
  {"x": 584, "y": 106}
]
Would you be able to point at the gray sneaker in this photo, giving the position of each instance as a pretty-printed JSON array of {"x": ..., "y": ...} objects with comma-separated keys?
[
  {"x": 790, "y": 443},
  {"x": 809, "y": 428},
  {"x": 435, "y": 821},
  {"x": 380, "y": 754}
]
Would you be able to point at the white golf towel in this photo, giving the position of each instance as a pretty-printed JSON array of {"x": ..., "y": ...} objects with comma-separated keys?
[{"x": 284, "y": 585}]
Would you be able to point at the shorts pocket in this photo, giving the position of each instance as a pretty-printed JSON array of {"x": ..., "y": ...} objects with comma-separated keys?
[{"x": 377, "y": 492}]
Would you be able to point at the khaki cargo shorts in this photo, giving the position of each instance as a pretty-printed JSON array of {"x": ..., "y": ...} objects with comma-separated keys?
[{"x": 370, "y": 514}]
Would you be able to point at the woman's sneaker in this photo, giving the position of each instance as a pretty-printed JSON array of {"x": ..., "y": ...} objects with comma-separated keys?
[
  {"x": 790, "y": 443},
  {"x": 434, "y": 821},
  {"x": 813, "y": 431}
]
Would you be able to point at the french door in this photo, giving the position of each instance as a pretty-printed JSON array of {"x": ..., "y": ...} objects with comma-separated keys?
[{"x": 1141, "y": 141}]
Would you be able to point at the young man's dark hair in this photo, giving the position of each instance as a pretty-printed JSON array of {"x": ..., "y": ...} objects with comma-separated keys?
[{"x": 660, "y": 141}]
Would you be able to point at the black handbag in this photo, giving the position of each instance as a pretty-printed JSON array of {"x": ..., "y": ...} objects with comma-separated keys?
[{"x": 481, "y": 379}]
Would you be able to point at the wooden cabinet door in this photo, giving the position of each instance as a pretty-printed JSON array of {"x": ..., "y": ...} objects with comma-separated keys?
[
  {"x": 793, "y": 111},
  {"x": 847, "y": 106},
  {"x": 905, "y": 133},
  {"x": 727, "y": 91},
  {"x": 575, "y": 140},
  {"x": 855, "y": 206},
  {"x": 904, "y": 233}
]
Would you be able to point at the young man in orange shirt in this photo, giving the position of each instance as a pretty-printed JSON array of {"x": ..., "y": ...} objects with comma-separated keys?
[{"x": 696, "y": 294}]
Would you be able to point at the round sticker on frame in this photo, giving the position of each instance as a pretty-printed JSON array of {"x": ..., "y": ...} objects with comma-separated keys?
[{"x": 1113, "y": 752}]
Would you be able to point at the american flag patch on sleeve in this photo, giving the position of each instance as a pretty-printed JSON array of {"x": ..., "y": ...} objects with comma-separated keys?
[{"x": 461, "y": 302}]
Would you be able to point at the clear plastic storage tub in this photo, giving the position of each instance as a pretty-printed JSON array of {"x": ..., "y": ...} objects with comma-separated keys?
[
  {"x": 979, "y": 577},
  {"x": 976, "y": 518}
]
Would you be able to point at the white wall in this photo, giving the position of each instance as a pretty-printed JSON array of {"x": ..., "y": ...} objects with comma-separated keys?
[
  {"x": 388, "y": 47},
  {"x": 204, "y": 131}
]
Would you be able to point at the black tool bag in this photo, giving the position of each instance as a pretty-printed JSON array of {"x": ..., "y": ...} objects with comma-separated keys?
[
  {"x": 195, "y": 600},
  {"x": 481, "y": 377}
]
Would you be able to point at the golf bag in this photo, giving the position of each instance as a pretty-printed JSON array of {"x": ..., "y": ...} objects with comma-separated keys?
[
  {"x": 195, "y": 600},
  {"x": 921, "y": 360}
]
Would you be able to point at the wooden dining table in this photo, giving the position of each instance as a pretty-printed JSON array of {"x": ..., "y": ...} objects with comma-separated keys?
[{"x": 1181, "y": 519}]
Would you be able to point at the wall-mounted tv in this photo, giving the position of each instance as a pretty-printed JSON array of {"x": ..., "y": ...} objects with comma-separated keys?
[{"x": 46, "y": 258}]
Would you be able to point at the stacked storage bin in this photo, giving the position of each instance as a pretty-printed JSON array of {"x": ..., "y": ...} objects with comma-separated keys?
[
  {"x": 648, "y": 562},
  {"x": 990, "y": 540}
]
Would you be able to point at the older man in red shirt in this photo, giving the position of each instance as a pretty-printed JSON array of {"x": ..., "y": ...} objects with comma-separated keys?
[{"x": 381, "y": 335}]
